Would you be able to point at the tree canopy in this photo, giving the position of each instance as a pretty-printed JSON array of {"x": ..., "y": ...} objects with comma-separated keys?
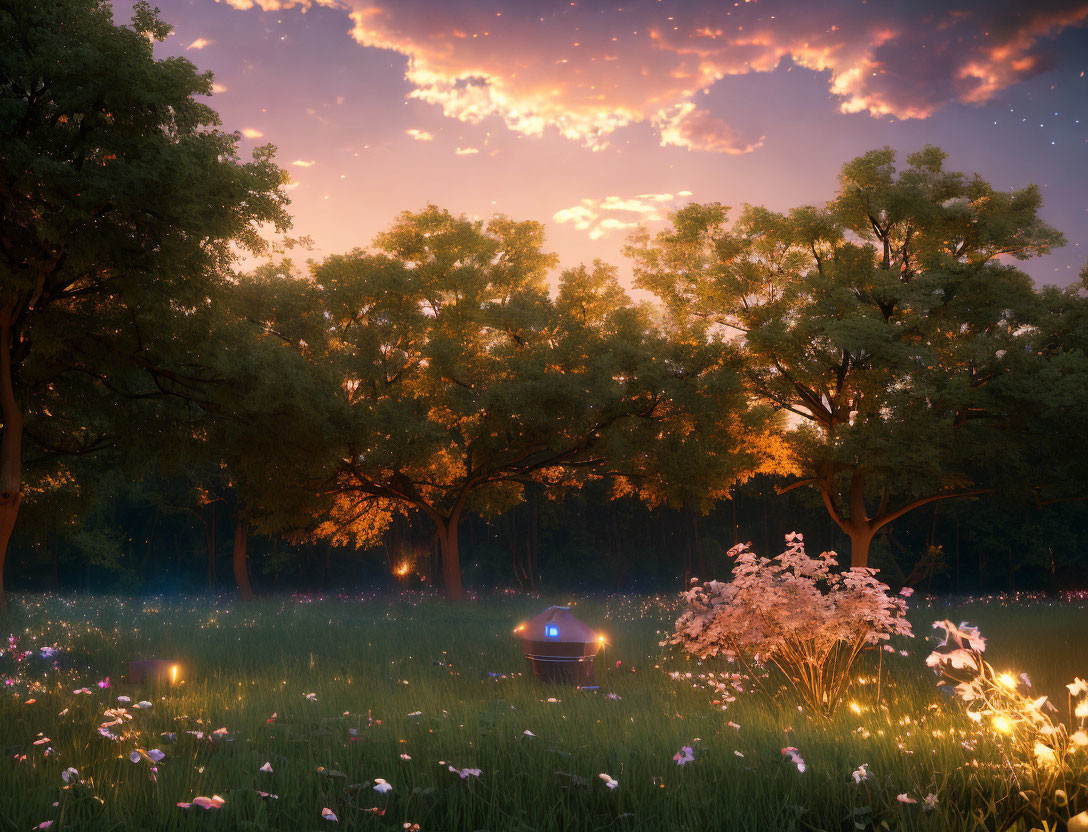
[
  {"x": 881, "y": 322},
  {"x": 122, "y": 204}
]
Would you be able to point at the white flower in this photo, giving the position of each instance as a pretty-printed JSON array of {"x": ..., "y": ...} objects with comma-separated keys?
[
  {"x": 608, "y": 781},
  {"x": 929, "y": 803},
  {"x": 381, "y": 786},
  {"x": 861, "y": 773},
  {"x": 69, "y": 774},
  {"x": 313, "y": 698},
  {"x": 905, "y": 798},
  {"x": 528, "y": 733},
  {"x": 267, "y": 767},
  {"x": 1077, "y": 687}
]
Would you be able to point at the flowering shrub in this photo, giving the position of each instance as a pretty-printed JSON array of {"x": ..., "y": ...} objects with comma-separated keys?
[
  {"x": 1047, "y": 762},
  {"x": 795, "y": 613}
]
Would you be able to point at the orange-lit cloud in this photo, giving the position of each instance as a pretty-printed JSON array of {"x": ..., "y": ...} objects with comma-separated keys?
[
  {"x": 303, "y": 163},
  {"x": 199, "y": 43},
  {"x": 251, "y": 133},
  {"x": 419, "y": 135},
  {"x": 587, "y": 69},
  {"x": 602, "y": 216},
  {"x": 467, "y": 151}
]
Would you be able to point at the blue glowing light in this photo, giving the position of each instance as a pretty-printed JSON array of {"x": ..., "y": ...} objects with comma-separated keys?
[{"x": 552, "y": 631}]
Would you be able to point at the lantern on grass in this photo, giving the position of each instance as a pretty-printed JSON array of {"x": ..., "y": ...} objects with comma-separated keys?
[
  {"x": 560, "y": 648},
  {"x": 155, "y": 672}
]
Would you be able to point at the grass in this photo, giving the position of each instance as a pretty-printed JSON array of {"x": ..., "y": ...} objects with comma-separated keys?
[{"x": 374, "y": 662}]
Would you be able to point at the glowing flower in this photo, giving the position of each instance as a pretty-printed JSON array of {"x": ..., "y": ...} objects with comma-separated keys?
[
  {"x": 1044, "y": 755},
  {"x": 861, "y": 773},
  {"x": 329, "y": 814},
  {"x": 381, "y": 786},
  {"x": 313, "y": 698},
  {"x": 1077, "y": 687},
  {"x": 267, "y": 767},
  {"x": 608, "y": 781},
  {"x": 905, "y": 798}
]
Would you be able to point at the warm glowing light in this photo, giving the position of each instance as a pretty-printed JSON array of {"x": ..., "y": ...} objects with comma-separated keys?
[
  {"x": 1007, "y": 680},
  {"x": 600, "y": 639},
  {"x": 173, "y": 674},
  {"x": 519, "y": 628},
  {"x": 403, "y": 568},
  {"x": 855, "y": 707},
  {"x": 1002, "y": 725}
]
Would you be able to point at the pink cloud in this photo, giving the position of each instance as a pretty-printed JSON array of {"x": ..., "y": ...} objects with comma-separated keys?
[{"x": 587, "y": 70}]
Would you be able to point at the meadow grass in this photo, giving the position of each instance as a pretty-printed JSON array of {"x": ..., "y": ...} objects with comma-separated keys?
[{"x": 371, "y": 663}]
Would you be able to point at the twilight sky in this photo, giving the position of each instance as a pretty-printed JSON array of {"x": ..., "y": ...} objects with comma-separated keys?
[{"x": 594, "y": 116}]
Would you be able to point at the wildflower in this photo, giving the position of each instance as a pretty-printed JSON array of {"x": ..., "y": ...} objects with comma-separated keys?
[
  {"x": 329, "y": 814},
  {"x": 906, "y": 591},
  {"x": 1080, "y": 738},
  {"x": 124, "y": 700},
  {"x": 929, "y": 803},
  {"x": 465, "y": 773},
  {"x": 416, "y": 713},
  {"x": 313, "y": 698},
  {"x": 608, "y": 781},
  {"x": 205, "y": 803},
  {"x": 905, "y": 798},
  {"x": 1081, "y": 711},
  {"x": 266, "y": 795},
  {"x": 69, "y": 774},
  {"x": 143, "y": 705},
  {"x": 1078, "y": 823},
  {"x": 733, "y": 725},
  {"x": 795, "y": 757},
  {"x": 405, "y": 757},
  {"x": 1044, "y": 755},
  {"x": 381, "y": 786},
  {"x": 613, "y": 696},
  {"x": 267, "y": 767},
  {"x": 105, "y": 683},
  {"x": 861, "y": 773},
  {"x": 684, "y": 755},
  {"x": 1077, "y": 687}
]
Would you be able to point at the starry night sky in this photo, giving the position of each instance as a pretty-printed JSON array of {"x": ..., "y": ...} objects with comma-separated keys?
[{"x": 592, "y": 117}]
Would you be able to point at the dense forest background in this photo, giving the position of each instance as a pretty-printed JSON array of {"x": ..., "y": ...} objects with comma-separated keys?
[{"x": 136, "y": 540}]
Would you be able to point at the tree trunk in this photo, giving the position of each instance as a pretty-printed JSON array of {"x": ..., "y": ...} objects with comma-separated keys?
[
  {"x": 241, "y": 565},
  {"x": 451, "y": 562},
  {"x": 700, "y": 558},
  {"x": 859, "y": 545},
  {"x": 11, "y": 441}
]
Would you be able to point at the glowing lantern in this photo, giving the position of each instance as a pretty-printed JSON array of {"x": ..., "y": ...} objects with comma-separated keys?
[
  {"x": 155, "y": 672},
  {"x": 559, "y": 647}
]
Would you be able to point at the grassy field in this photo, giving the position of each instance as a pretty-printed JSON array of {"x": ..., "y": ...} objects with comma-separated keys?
[{"x": 403, "y": 688}]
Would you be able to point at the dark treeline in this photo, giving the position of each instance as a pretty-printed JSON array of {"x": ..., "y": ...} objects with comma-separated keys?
[
  {"x": 443, "y": 405},
  {"x": 136, "y": 544}
]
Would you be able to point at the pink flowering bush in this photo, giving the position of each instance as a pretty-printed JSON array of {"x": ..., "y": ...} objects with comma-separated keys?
[
  {"x": 796, "y": 613},
  {"x": 1047, "y": 761}
]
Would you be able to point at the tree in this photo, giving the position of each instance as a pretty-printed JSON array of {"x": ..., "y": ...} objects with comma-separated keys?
[
  {"x": 120, "y": 202},
  {"x": 461, "y": 380},
  {"x": 882, "y": 323}
]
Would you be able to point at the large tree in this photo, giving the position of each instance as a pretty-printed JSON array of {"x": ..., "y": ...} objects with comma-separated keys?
[
  {"x": 881, "y": 322},
  {"x": 461, "y": 379},
  {"x": 121, "y": 203}
]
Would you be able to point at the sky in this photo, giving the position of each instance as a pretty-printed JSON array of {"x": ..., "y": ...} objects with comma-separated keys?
[{"x": 592, "y": 117}]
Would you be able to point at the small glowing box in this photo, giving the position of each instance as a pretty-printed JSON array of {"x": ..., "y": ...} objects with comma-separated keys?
[{"x": 559, "y": 647}]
